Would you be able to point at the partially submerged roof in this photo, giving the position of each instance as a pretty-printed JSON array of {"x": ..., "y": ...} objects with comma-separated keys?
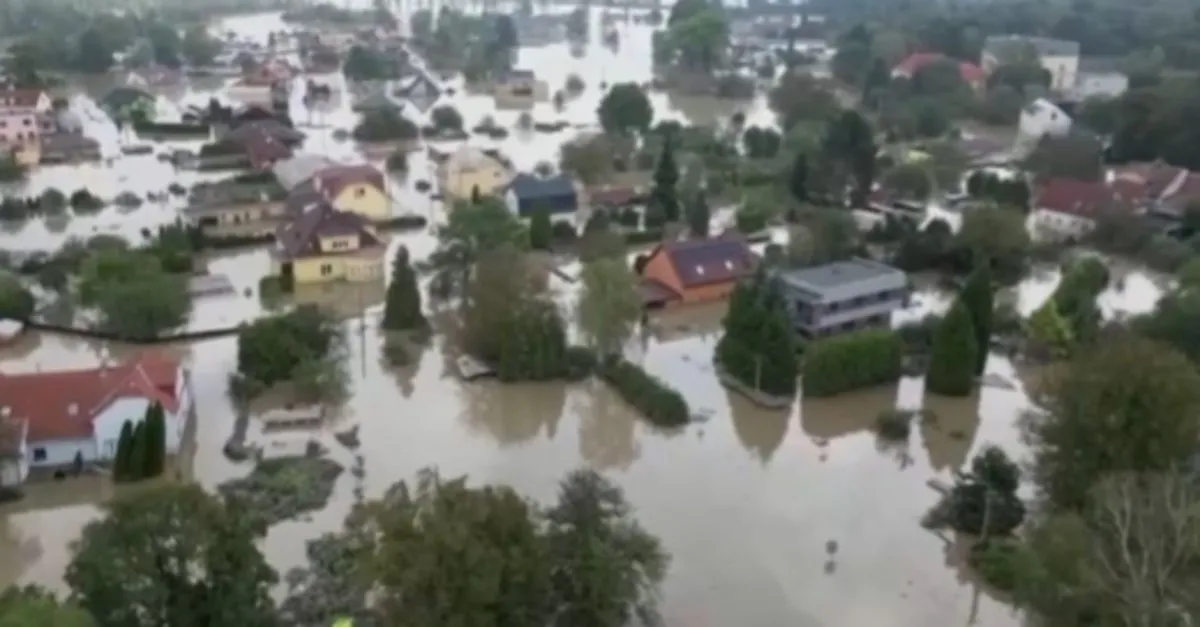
[
  {"x": 844, "y": 279},
  {"x": 704, "y": 261},
  {"x": 332, "y": 179},
  {"x": 299, "y": 168},
  {"x": 532, "y": 187},
  {"x": 64, "y": 404},
  {"x": 1086, "y": 198},
  {"x": 300, "y": 237}
]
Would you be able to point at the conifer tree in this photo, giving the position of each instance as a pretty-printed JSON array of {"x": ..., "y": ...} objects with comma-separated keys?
[
  {"x": 137, "y": 453},
  {"x": 978, "y": 297},
  {"x": 156, "y": 442},
  {"x": 954, "y": 354},
  {"x": 666, "y": 175},
  {"x": 121, "y": 462},
  {"x": 402, "y": 310}
]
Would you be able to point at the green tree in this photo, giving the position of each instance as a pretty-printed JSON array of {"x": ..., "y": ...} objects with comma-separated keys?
[
  {"x": 666, "y": 175},
  {"x": 849, "y": 142},
  {"x": 430, "y": 530},
  {"x": 609, "y": 568},
  {"x": 138, "y": 452},
  {"x": 187, "y": 559},
  {"x": 199, "y": 48},
  {"x": 757, "y": 348},
  {"x": 135, "y": 297},
  {"x": 798, "y": 181},
  {"x": 31, "y": 606},
  {"x": 999, "y": 234},
  {"x": 698, "y": 215},
  {"x": 270, "y": 349},
  {"x": 909, "y": 180},
  {"x": 954, "y": 356},
  {"x": 1173, "y": 322},
  {"x": 699, "y": 38},
  {"x": 977, "y": 295},
  {"x": 402, "y": 307},
  {"x": 541, "y": 231},
  {"x": 16, "y": 301},
  {"x": 1048, "y": 330},
  {"x": 609, "y": 306},
  {"x": 472, "y": 228},
  {"x": 1127, "y": 404},
  {"x": 624, "y": 109},
  {"x": 122, "y": 461},
  {"x": 799, "y": 97},
  {"x": 156, "y": 442},
  {"x": 95, "y": 55}
]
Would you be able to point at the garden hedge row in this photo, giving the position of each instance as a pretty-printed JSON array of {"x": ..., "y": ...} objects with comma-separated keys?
[
  {"x": 852, "y": 361},
  {"x": 658, "y": 403}
]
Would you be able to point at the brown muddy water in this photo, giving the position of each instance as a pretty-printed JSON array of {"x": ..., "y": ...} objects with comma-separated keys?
[{"x": 747, "y": 502}]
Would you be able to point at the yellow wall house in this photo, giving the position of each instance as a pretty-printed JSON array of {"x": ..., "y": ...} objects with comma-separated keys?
[
  {"x": 359, "y": 189},
  {"x": 321, "y": 244},
  {"x": 469, "y": 169}
]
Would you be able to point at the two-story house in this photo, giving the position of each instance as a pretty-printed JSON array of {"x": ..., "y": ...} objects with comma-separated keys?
[
  {"x": 842, "y": 296},
  {"x": 1057, "y": 56},
  {"x": 20, "y": 133},
  {"x": 321, "y": 244}
]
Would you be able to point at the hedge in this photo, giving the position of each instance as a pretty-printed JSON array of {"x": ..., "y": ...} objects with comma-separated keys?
[
  {"x": 852, "y": 361},
  {"x": 657, "y": 402}
]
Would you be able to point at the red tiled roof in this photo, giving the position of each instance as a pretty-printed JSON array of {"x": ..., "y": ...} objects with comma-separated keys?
[
  {"x": 1157, "y": 176},
  {"x": 64, "y": 404},
  {"x": 332, "y": 180},
  {"x": 1187, "y": 193},
  {"x": 1084, "y": 198},
  {"x": 969, "y": 72},
  {"x": 704, "y": 261},
  {"x": 24, "y": 98}
]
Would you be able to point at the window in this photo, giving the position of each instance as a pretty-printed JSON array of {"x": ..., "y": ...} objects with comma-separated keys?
[
  {"x": 326, "y": 269},
  {"x": 360, "y": 192},
  {"x": 28, "y": 122},
  {"x": 39, "y": 454}
]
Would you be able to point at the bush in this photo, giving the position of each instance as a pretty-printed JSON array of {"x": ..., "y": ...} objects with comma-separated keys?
[
  {"x": 540, "y": 230},
  {"x": 83, "y": 201},
  {"x": 53, "y": 201},
  {"x": 574, "y": 84},
  {"x": 381, "y": 125},
  {"x": 16, "y": 302},
  {"x": 999, "y": 562},
  {"x": 446, "y": 117},
  {"x": 852, "y": 361},
  {"x": 657, "y": 402},
  {"x": 398, "y": 161}
]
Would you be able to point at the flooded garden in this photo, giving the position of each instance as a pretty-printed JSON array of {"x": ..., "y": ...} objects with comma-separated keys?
[{"x": 797, "y": 517}]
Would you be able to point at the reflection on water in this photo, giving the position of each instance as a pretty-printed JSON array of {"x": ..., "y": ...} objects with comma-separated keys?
[{"x": 745, "y": 501}]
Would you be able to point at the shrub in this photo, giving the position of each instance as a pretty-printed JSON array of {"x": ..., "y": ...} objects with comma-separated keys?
[
  {"x": 657, "y": 402},
  {"x": 53, "y": 201},
  {"x": 16, "y": 302},
  {"x": 852, "y": 361},
  {"x": 541, "y": 231},
  {"x": 83, "y": 200},
  {"x": 999, "y": 561},
  {"x": 574, "y": 84},
  {"x": 398, "y": 161},
  {"x": 446, "y": 117}
]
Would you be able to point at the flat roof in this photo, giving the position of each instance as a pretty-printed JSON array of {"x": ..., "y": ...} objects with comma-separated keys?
[{"x": 845, "y": 279}]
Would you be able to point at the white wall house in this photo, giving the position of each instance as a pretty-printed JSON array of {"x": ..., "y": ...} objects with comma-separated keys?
[
  {"x": 1042, "y": 117},
  {"x": 14, "y": 457},
  {"x": 80, "y": 413},
  {"x": 1066, "y": 209}
]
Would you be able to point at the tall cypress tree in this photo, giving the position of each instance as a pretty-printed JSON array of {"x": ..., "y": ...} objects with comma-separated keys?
[
  {"x": 698, "y": 215},
  {"x": 954, "y": 354},
  {"x": 121, "y": 462},
  {"x": 156, "y": 442},
  {"x": 402, "y": 310},
  {"x": 137, "y": 453},
  {"x": 978, "y": 297},
  {"x": 666, "y": 175}
]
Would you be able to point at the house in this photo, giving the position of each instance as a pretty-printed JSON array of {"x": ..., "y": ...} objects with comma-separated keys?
[
  {"x": 236, "y": 206},
  {"x": 528, "y": 193},
  {"x": 321, "y": 244},
  {"x": 694, "y": 271},
  {"x": 519, "y": 88},
  {"x": 1097, "y": 84},
  {"x": 842, "y": 296},
  {"x": 1059, "y": 57},
  {"x": 621, "y": 189},
  {"x": 299, "y": 169},
  {"x": 254, "y": 148},
  {"x": 63, "y": 140},
  {"x": 1066, "y": 209},
  {"x": 79, "y": 413},
  {"x": 360, "y": 189},
  {"x": 1042, "y": 117},
  {"x": 971, "y": 74},
  {"x": 468, "y": 172},
  {"x": 20, "y": 132}
]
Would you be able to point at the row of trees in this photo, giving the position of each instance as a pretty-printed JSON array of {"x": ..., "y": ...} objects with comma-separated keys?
[
  {"x": 142, "y": 450},
  {"x": 51, "y": 203},
  {"x": 191, "y": 558}
]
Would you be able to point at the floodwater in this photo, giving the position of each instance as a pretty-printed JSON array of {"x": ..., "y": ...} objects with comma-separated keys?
[{"x": 747, "y": 502}]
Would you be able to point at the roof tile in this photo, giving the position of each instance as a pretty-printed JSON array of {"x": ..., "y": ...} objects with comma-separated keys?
[{"x": 704, "y": 261}]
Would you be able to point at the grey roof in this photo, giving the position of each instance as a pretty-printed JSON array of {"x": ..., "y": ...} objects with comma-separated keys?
[
  {"x": 1002, "y": 45},
  {"x": 843, "y": 280},
  {"x": 298, "y": 169},
  {"x": 531, "y": 187}
]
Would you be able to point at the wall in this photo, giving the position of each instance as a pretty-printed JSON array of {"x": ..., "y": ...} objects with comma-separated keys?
[
  {"x": 1041, "y": 117},
  {"x": 660, "y": 269},
  {"x": 107, "y": 426},
  {"x": 241, "y": 214},
  {"x": 1063, "y": 71},
  {"x": 707, "y": 293},
  {"x": 1055, "y": 225},
  {"x": 459, "y": 183},
  {"x": 339, "y": 268},
  {"x": 59, "y": 453},
  {"x": 366, "y": 200}
]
